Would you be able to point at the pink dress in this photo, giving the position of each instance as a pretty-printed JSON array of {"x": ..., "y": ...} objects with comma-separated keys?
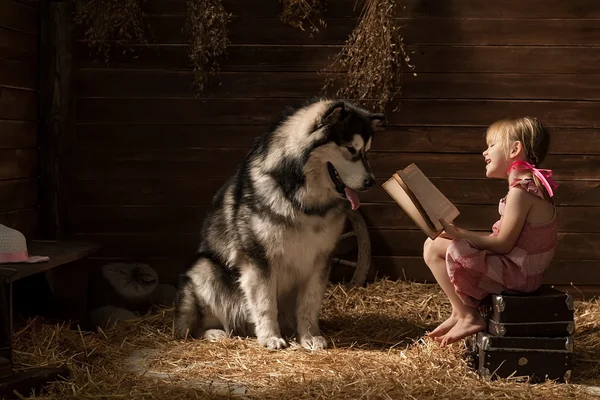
[{"x": 475, "y": 273}]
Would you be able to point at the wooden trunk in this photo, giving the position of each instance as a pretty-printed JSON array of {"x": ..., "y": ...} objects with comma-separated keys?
[
  {"x": 537, "y": 359},
  {"x": 542, "y": 306},
  {"x": 529, "y": 335},
  {"x": 521, "y": 329}
]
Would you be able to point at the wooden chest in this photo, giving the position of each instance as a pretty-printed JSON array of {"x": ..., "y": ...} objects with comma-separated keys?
[
  {"x": 534, "y": 358},
  {"x": 528, "y": 335},
  {"x": 542, "y": 306}
]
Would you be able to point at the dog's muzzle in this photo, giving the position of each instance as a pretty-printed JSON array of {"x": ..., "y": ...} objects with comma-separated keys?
[
  {"x": 343, "y": 189},
  {"x": 340, "y": 186}
]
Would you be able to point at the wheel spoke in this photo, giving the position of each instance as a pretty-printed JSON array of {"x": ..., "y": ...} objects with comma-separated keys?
[
  {"x": 347, "y": 235},
  {"x": 344, "y": 262}
]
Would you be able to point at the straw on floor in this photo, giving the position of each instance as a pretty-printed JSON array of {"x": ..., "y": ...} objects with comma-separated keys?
[{"x": 378, "y": 351}]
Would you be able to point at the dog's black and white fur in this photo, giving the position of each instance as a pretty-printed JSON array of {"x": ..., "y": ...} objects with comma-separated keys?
[{"x": 263, "y": 263}]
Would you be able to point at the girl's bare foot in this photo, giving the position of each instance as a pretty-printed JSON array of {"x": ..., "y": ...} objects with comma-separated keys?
[
  {"x": 444, "y": 327},
  {"x": 466, "y": 326}
]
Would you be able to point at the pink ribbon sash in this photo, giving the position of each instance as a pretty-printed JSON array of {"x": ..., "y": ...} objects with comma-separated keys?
[{"x": 544, "y": 175}]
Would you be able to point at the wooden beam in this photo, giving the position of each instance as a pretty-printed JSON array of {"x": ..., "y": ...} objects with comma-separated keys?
[{"x": 56, "y": 117}]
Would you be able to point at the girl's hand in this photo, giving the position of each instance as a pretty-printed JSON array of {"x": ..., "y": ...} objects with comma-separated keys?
[
  {"x": 444, "y": 235},
  {"x": 450, "y": 230}
]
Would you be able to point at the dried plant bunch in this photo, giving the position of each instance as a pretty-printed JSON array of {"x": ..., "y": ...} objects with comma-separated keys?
[
  {"x": 206, "y": 29},
  {"x": 111, "y": 21},
  {"x": 370, "y": 66},
  {"x": 297, "y": 12}
]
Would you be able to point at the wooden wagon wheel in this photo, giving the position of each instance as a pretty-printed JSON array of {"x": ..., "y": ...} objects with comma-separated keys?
[{"x": 361, "y": 247}]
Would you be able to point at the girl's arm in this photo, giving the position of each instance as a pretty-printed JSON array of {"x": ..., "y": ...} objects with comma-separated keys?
[
  {"x": 518, "y": 204},
  {"x": 480, "y": 233}
]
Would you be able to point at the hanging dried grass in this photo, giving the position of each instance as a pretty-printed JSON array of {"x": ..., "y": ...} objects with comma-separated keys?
[
  {"x": 111, "y": 22},
  {"x": 206, "y": 28},
  {"x": 370, "y": 66},
  {"x": 297, "y": 12}
]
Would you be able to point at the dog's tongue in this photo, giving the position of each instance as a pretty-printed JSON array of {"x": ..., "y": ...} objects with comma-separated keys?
[{"x": 353, "y": 197}]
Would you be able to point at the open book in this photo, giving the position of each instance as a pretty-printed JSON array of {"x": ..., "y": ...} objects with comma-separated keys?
[{"x": 421, "y": 200}]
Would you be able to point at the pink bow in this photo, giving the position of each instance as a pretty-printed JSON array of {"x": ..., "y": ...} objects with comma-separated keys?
[{"x": 544, "y": 175}]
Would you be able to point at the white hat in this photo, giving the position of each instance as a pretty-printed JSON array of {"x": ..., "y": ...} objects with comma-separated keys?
[{"x": 13, "y": 247}]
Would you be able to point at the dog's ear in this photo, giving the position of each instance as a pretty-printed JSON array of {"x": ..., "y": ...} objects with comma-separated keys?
[
  {"x": 377, "y": 121},
  {"x": 334, "y": 113}
]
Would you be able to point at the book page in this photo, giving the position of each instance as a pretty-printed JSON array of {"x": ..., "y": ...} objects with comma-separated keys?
[
  {"x": 433, "y": 201},
  {"x": 395, "y": 190}
]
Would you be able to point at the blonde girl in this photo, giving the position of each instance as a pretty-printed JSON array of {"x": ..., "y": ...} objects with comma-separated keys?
[{"x": 513, "y": 257}]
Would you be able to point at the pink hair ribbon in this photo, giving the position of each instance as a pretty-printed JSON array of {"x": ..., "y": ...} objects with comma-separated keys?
[{"x": 544, "y": 175}]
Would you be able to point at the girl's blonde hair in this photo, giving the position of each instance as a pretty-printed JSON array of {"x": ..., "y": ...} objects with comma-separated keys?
[{"x": 534, "y": 138}]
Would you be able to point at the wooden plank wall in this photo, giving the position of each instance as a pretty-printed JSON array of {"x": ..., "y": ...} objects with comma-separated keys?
[
  {"x": 18, "y": 115},
  {"x": 150, "y": 155}
]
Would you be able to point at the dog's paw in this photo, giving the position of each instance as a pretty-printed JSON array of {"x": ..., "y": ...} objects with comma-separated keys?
[
  {"x": 273, "y": 343},
  {"x": 215, "y": 334},
  {"x": 313, "y": 342}
]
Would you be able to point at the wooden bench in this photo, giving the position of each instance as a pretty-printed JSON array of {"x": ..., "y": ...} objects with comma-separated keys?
[
  {"x": 60, "y": 253},
  {"x": 68, "y": 281}
]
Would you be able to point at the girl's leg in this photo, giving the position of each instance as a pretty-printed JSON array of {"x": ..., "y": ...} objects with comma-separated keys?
[
  {"x": 466, "y": 318},
  {"x": 434, "y": 254}
]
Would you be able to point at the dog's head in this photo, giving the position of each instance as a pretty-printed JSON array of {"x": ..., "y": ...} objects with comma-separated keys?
[{"x": 348, "y": 137}]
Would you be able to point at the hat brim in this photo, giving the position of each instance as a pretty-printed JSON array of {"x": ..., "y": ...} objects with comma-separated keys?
[{"x": 36, "y": 259}]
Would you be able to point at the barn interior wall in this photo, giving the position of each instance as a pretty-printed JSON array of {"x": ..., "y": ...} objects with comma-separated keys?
[
  {"x": 150, "y": 154},
  {"x": 18, "y": 116}
]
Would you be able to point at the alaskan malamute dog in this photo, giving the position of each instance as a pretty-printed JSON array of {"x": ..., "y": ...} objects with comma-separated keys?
[{"x": 263, "y": 262}]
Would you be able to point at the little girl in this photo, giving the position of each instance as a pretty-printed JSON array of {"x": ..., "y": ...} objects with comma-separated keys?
[{"x": 513, "y": 257}]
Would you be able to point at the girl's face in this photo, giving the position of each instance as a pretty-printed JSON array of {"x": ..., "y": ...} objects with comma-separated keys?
[{"x": 496, "y": 161}]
